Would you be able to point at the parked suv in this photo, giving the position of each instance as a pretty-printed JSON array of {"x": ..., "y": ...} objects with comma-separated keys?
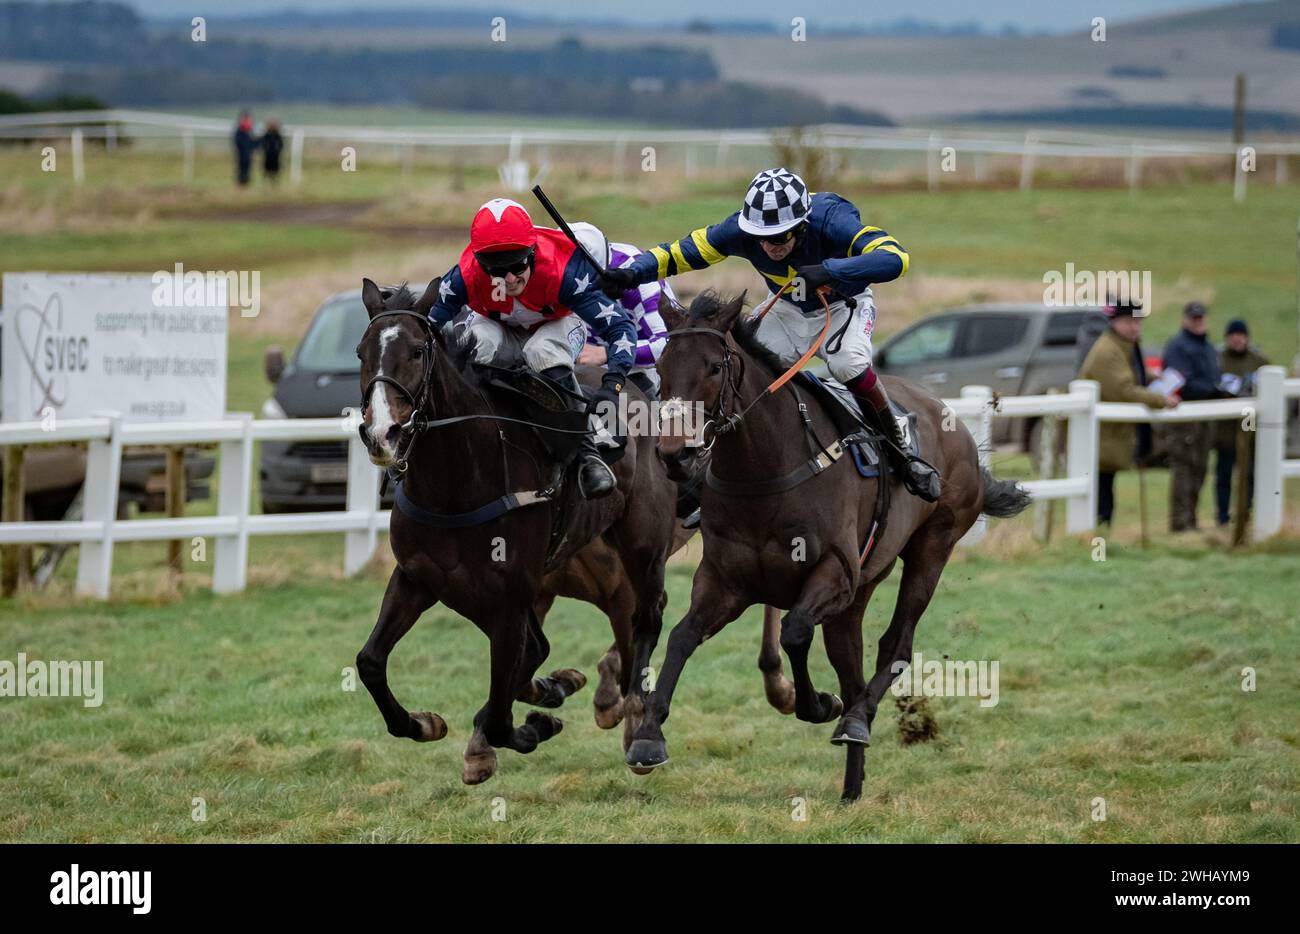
[
  {"x": 321, "y": 380},
  {"x": 1015, "y": 350}
]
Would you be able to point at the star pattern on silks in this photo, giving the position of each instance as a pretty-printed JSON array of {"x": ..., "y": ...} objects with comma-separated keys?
[
  {"x": 606, "y": 311},
  {"x": 580, "y": 284},
  {"x": 623, "y": 345},
  {"x": 444, "y": 289}
]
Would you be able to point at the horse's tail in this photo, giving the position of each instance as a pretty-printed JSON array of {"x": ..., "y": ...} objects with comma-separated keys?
[{"x": 1003, "y": 498}]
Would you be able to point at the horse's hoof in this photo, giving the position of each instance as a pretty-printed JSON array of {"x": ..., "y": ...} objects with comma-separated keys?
[
  {"x": 479, "y": 768},
  {"x": 609, "y": 717},
  {"x": 851, "y": 731},
  {"x": 572, "y": 679},
  {"x": 428, "y": 727},
  {"x": 546, "y": 725},
  {"x": 646, "y": 755}
]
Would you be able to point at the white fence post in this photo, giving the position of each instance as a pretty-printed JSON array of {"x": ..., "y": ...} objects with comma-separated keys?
[
  {"x": 295, "y": 157},
  {"x": 187, "y": 147},
  {"x": 99, "y": 504},
  {"x": 78, "y": 158},
  {"x": 1027, "y": 162},
  {"x": 1081, "y": 452},
  {"x": 1239, "y": 179},
  {"x": 230, "y": 561},
  {"x": 1270, "y": 449},
  {"x": 981, "y": 428},
  {"x": 363, "y": 496}
]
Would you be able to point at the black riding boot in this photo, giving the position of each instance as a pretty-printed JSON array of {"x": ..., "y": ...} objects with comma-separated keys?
[
  {"x": 595, "y": 478},
  {"x": 919, "y": 478}
]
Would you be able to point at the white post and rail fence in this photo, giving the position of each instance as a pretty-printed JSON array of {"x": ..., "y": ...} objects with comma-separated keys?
[{"x": 362, "y": 519}]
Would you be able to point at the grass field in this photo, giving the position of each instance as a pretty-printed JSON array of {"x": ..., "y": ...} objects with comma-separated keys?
[{"x": 1119, "y": 679}]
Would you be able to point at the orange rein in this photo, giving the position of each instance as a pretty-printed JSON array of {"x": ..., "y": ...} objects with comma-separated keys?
[{"x": 807, "y": 354}]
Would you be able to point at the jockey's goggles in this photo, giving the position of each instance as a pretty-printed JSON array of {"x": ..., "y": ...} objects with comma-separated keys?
[{"x": 501, "y": 263}]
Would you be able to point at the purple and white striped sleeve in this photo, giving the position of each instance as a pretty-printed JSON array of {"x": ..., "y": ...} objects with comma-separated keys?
[{"x": 651, "y": 332}]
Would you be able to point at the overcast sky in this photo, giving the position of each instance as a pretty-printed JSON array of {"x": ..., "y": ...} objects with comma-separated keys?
[{"x": 1053, "y": 15}]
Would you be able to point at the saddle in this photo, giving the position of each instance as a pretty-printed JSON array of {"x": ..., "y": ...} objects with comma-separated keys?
[
  {"x": 846, "y": 413},
  {"x": 549, "y": 403}
]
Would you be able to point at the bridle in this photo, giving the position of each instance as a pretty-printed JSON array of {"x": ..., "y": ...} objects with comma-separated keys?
[
  {"x": 719, "y": 418},
  {"x": 417, "y": 422}
]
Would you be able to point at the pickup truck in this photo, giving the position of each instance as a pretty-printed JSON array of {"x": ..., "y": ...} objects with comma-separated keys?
[{"x": 1015, "y": 350}]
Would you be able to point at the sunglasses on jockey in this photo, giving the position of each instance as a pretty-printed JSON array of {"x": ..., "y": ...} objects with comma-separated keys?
[
  {"x": 506, "y": 262},
  {"x": 783, "y": 237}
]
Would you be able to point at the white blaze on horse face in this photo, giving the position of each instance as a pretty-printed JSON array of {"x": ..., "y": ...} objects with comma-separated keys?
[{"x": 379, "y": 414}]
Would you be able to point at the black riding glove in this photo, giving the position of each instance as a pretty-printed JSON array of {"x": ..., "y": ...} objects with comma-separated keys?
[
  {"x": 814, "y": 277},
  {"x": 614, "y": 282},
  {"x": 604, "y": 404}
]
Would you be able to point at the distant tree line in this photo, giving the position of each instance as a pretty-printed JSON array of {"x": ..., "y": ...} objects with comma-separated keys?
[
  {"x": 11, "y": 103},
  {"x": 118, "y": 56}
]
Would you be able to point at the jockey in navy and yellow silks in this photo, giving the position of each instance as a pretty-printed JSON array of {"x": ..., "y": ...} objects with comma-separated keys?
[
  {"x": 854, "y": 254},
  {"x": 805, "y": 241}
]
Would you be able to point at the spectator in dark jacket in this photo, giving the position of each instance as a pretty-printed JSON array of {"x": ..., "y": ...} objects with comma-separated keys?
[
  {"x": 272, "y": 144},
  {"x": 1238, "y": 361},
  {"x": 245, "y": 143},
  {"x": 1193, "y": 356}
]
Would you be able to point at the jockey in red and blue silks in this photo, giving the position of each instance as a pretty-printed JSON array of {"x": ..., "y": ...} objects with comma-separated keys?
[
  {"x": 803, "y": 241},
  {"x": 529, "y": 291}
]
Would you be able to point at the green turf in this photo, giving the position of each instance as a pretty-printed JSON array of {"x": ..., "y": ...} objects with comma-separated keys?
[{"x": 1118, "y": 679}]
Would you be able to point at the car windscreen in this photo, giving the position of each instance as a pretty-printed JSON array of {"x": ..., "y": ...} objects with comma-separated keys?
[{"x": 331, "y": 342}]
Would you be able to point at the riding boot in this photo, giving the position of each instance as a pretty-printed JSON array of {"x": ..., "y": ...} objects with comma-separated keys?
[
  {"x": 595, "y": 478},
  {"x": 920, "y": 478}
]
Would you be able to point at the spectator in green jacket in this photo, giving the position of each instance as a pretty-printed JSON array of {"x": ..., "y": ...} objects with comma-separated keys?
[
  {"x": 1238, "y": 361},
  {"x": 1115, "y": 362}
]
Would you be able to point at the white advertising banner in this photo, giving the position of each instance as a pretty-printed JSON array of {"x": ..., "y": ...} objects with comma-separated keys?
[{"x": 150, "y": 347}]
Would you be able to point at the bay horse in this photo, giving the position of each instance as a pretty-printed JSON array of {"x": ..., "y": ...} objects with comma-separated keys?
[
  {"x": 426, "y": 410},
  {"x": 778, "y": 531}
]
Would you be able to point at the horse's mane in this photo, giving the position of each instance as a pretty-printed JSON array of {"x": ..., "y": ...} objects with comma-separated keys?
[
  {"x": 458, "y": 345},
  {"x": 703, "y": 312}
]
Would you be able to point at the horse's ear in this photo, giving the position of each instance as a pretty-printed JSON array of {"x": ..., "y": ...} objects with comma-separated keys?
[
  {"x": 729, "y": 313},
  {"x": 371, "y": 297},
  {"x": 674, "y": 315},
  {"x": 429, "y": 298}
]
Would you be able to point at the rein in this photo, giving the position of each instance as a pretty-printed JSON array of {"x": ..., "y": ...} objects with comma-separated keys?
[
  {"x": 822, "y": 457},
  {"x": 723, "y": 422},
  {"x": 418, "y": 422}
]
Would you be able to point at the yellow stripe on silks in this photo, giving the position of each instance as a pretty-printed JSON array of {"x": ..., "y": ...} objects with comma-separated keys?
[
  {"x": 707, "y": 252},
  {"x": 679, "y": 257},
  {"x": 877, "y": 242},
  {"x": 866, "y": 229},
  {"x": 900, "y": 253},
  {"x": 782, "y": 280},
  {"x": 661, "y": 255}
]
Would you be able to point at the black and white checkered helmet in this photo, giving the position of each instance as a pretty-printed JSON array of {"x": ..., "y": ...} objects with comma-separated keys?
[{"x": 776, "y": 201}]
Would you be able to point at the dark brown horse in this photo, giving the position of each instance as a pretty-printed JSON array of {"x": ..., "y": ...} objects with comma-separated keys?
[
  {"x": 800, "y": 549},
  {"x": 497, "y": 572}
]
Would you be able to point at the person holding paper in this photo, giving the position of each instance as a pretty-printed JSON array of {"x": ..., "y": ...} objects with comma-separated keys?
[
  {"x": 1238, "y": 361},
  {"x": 1194, "y": 357},
  {"x": 1115, "y": 362}
]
